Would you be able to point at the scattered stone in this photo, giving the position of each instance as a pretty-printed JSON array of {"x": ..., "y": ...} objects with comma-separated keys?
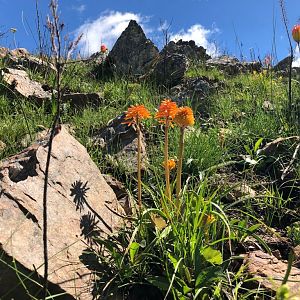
[
  {"x": 187, "y": 48},
  {"x": 80, "y": 203},
  {"x": 82, "y": 99},
  {"x": 132, "y": 52},
  {"x": 20, "y": 82},
  {"x": 270, "y": 271},
  {"x": 242, "y": 190},
  {"x": 169, "y": 69},
  {"x": 232, "y": 66},
  {"x": 120, "y": 143}
]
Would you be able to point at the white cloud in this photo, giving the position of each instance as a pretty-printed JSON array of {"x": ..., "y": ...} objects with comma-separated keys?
[
  {"x": 106, "y": 29},
  {"x": 80, "y": 8},
  {"x": 296, "y": 62},
  {"x": 200, "y": 35}
]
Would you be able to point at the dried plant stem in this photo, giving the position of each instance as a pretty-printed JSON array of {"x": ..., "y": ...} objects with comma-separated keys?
[
  {"x": 179, "y": 167},
  {"x": 166, "y": 159},
  {"x": 285, "y": 22},
  {"x": 139, "y": 172}
]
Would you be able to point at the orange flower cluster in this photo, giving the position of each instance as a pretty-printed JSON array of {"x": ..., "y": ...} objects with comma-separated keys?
[
  {"x": 296, "y": 33},
  {"x": 171, "y": 164},
  {"x": 184, "y": 117},
  {"x": 135, "y": 114},
  {"x": 166, "y": 111}
]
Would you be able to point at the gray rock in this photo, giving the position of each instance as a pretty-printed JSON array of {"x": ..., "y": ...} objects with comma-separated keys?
[
  {"x": 232, "y": 66},
  {"x": 132, "y": 52},
  {"x": 187, "y": 48},
  {"x": 282, "y": 67},
  {"x": 20, "y": 57},
  {"x": 120, "y": 143},
  {"x": 78, "y": 197},
  {"x": 20, "y": 83},
  {"x": 169, "y": 69},
  {"x": 270, "y": 271},
  {"x": 193, "y": 88}
]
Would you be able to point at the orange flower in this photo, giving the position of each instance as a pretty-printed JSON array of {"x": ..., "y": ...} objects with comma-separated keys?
[
  {"x": 103, "y": 48},
  {"x": 296, "y": 33},
  {"x": 209, "y": 219},
  {"x": 184, "y": 117},
  {"x": 135, "y": 114},
  {"x": 166, "y": 111},
  {"x": 171, "y": 164}
]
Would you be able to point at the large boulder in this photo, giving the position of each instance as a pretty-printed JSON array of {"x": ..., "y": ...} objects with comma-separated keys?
[
  {"x": 79, "y": 202},
  {"x": 132, "y": 52}
]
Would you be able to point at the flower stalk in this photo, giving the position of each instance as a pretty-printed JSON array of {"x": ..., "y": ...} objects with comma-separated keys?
[
  {"x": 179, "y": 166},
  {"x": 134, "y": 115},
  {"x": 139, "y": 164},
  {"x": 166, "y": 161}
]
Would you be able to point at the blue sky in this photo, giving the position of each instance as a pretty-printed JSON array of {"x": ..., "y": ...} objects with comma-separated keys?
[{"x": 235, "y": 27}]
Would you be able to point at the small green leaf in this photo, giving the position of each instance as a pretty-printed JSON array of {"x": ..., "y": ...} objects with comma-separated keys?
[
  {"x": 211, "y": 255},
  {"x": 257, "y": 144},
  {"x": 254, "y": 227},
  {"x": 134, "y": 247},
  {"x": 173, "y": 260}
]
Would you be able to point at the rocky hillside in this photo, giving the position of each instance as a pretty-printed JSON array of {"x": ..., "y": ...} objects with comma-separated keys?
[{"x": 240, "y": 178}]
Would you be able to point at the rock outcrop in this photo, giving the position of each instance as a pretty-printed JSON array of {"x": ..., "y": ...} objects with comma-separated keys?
[
  {"x": 132, "y": 52},
  {"x": 232, "y": 66},
  {"x": 195, "y": 89},
  {"x": 78, "y": 199},
  {"x": 169, "y": 69},
  {"x": 187, "y": 48},
  {"x": 19, "y": 82},
  {"x": 270, "y": 271},
  {"x": 20, "y": 57},
  {"x": 119, "y": 141}
]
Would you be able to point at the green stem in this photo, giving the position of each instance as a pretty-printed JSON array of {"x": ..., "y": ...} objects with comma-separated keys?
[
  {"x": 139, "y": 172},
  {"x": 179, "y": 167},
  {"x": 166, "y": 158}
]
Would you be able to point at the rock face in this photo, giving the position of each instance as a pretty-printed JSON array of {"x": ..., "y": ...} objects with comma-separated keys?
[
  {"x": 120, "y": 143},
  {"x": 195, "y": 89},
  {"x": 133, "y": 52},
  {"x": 270, "y": 271},
  {"x": 187, "y": 48},
  {"x": 232, "y": 66},
  {"x": 21, "y": 83},
  {"x": 169, "y": 69},
  {"x": 78, "y": 198}
]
